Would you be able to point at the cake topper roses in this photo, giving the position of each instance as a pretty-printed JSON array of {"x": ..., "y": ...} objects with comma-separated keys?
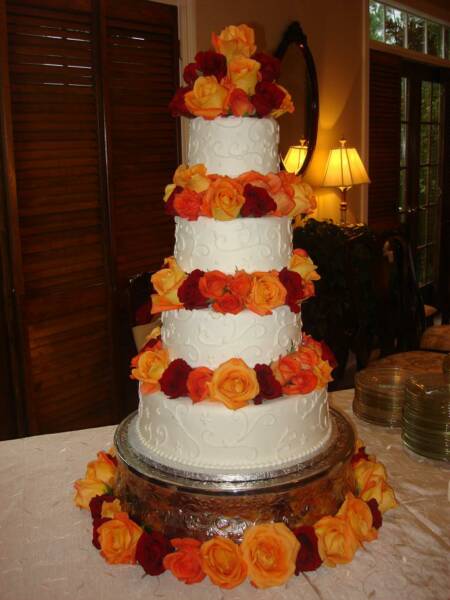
[{"x": 232, "y": 80}]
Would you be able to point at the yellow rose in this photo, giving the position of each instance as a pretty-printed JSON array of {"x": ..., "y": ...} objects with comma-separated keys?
[
  {"x": 359, "y": 516},
  {"x": 323, "y": 372},
  {"x": 267, "y": 292},
  {"x": 111, "y": 509},
  {"x": 149, "y": 367},
  {"x": 286, "y": 106},
  {"x": 103, "y": 469},
  {"x": 305, "y": 201},
  {"x": 243, "y": 73},
  {"x": 225, "y": 198},
  {"x": 234, "y": 384},
  {"x": 235, "y": 41},
  {"x": 223, "y": 563},
  {"x": 166, "y": 282},
  {"x": 337, "y": 542},
  {"x": 118, "y": 539},
  {"x": 193, "y": 178},
  {"x": 302, "y": 264},
  {"x": 371, "y": 483},
  {"x": 270, "y": 551},
  {"x": 168, "y": 191},
  {"x": 86, "y": 489},
  {"x": 207, "y": 99}
]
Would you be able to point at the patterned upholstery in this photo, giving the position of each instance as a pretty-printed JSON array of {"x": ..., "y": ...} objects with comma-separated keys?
[
  {"x": 436, "y": 337},
  {"x": 418, "y": 361}
]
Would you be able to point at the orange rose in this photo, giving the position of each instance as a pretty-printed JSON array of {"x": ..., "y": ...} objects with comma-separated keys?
[
  {"x": 371, "y": 483},
  {"x": 302, "y": 383},
  {"x": 241, "y": 284},
  {"x": 337, "y": 542},
  {"x": 270, "y": 551},
  {"x": 359, "y": 516},
  {"x": 214, "y": 284},
  {"x": 188, "y": 204},
  {"x": 118, "y": 539},
  {"x": 86, "y": 489},
  {"x": 234, "y": 41},
  {"x": 243, "y": 73},
  {"x": 228, "y": 304},
  {"x": 305, "y": 201},
  {"x": 166, "y": 282},
  {"x": 267, "y": 292},
  {"x": 234, "y": 384},
  {"x": 111, "y": 509},
  {"x": 193, "y": 178},
  {"x": 302, "y": 264},
  {"x": 255, "y": 178},
  {"x": 286, "y": 106},
  {"x": 239, "y": 104},
  {"x": 283, "y": 192},
  {"x": 198, "y": 383},
  {"x": 149, "y": 367},
  {"x": 186, "y": 562},
  {"x": 222, "y": 562},
  {"x": 225, "y": 197},
  {"x": 102, "y": 469},
  {"x": 323, "y": 372},
  {"x": 207, "y": 99}
]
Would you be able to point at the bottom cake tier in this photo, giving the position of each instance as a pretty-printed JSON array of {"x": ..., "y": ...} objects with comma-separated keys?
[
  {"x": 209, "y": 438},
  {"x": 182, "y": 507}
]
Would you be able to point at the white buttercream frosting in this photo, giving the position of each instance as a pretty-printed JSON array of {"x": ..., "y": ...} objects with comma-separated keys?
[
  {"x": 207, "y": 435},
  {"x": 208, "y": 338},
  {"x": 251, "y": 244},
  {"x": 233, "y": 145}
]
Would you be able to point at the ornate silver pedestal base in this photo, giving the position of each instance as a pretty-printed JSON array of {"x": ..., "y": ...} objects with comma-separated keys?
[{"x": 180, "y": 506}]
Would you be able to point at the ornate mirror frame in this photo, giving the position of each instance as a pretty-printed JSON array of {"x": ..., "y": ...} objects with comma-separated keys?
[{"x": 294, "y": 34}]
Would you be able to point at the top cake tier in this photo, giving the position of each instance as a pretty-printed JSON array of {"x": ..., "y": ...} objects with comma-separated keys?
[{"x": 233, "y": 145}]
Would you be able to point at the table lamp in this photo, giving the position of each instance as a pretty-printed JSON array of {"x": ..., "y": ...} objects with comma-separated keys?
[
  {"x": 344, "y": 169},
  {"x": 295, "y": 157}
]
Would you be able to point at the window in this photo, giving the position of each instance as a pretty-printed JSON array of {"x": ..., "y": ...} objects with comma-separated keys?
[{"x": 398, "y": 27}]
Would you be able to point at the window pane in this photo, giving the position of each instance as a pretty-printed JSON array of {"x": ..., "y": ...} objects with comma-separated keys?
[
  {"x": 425, "y": 101},
  {"x": 422, "y": 226},
  {"x": 421, "y": 266},
  {"x": 394, "y": 27},
  {"x": 436, "y": 103},
  {"x": 447, "y": 54},
  {"x": 424, "y": 144},
  {"x": 433, "y": 184},
  {"x": 403, "y": 132},
  {"x": 404, "y": 99},
  {"x": 376, "y": 14},
  {"x": 430, "y": 263},
  {"x": 402, "y": 199},
  {"x": 434, "y": 38},
  {"x": 416, "y": 33},
  {"x": 432, "y": 222},
  {"x": 434, "y": 145},
  {"x": 423, "y": 184}
]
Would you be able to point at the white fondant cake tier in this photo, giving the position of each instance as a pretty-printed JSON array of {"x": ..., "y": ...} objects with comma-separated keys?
[
  {"x": 250, "y": 244},
  {"x": 209, "y": 436},
  {"x": 208, "y": 338},
  {"x": 233, "y": 145}
]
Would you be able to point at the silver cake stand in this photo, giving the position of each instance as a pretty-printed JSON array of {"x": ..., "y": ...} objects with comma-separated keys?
[{"x": 189, "y": 504}]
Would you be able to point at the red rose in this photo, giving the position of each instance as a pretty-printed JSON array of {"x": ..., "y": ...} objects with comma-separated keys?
[
  {"x": 169, "y": 206},
  {"x": 190, "y": 73},
  {"x": 270, "y": 66},
  {"x": 189, "y": 292},
  {"x": 177, "y": 105},
  {"x": 327, "y": 354},
  {"x": 377, "y": 517},
  {"x": 257, "y": 202},
  {"x": 151, "y": 550},
  {"x": 211, "y": 63},
  {"x": 308, "y": 558},
  {"x": 268, "y": 96},
  {"x": 229, "y": 303},
  {"x": 269, "y": 387},
  {"x": 174, "y": 379},
  {"x": 293, "y": 283},
  {"x": 187, "y": 204},
  {"x": 95, "y": 525},
  {"x": 360, "y": 455},
  {"x": 95, "y": 505}
]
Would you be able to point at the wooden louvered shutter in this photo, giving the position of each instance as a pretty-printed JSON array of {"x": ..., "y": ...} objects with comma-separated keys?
[
  {"x": 384, "y": 140},
  {"x": 141, "y": 72},
  {"x": 57, "y": 218}
]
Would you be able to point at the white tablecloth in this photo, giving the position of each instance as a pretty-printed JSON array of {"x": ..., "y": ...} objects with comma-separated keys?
[{"x": 46, "y": 551}]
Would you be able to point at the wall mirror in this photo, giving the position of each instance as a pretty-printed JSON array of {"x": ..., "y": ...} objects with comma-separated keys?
[{"x": 298, "y": 76}]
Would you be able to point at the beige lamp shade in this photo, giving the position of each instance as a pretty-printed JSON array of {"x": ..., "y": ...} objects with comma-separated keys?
[
  {"x": 344, "y": 168},
  {"x": 295, "y": 157}
]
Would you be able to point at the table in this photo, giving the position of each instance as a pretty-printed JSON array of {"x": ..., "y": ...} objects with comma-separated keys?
[{"x": 46, "y": 552}]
